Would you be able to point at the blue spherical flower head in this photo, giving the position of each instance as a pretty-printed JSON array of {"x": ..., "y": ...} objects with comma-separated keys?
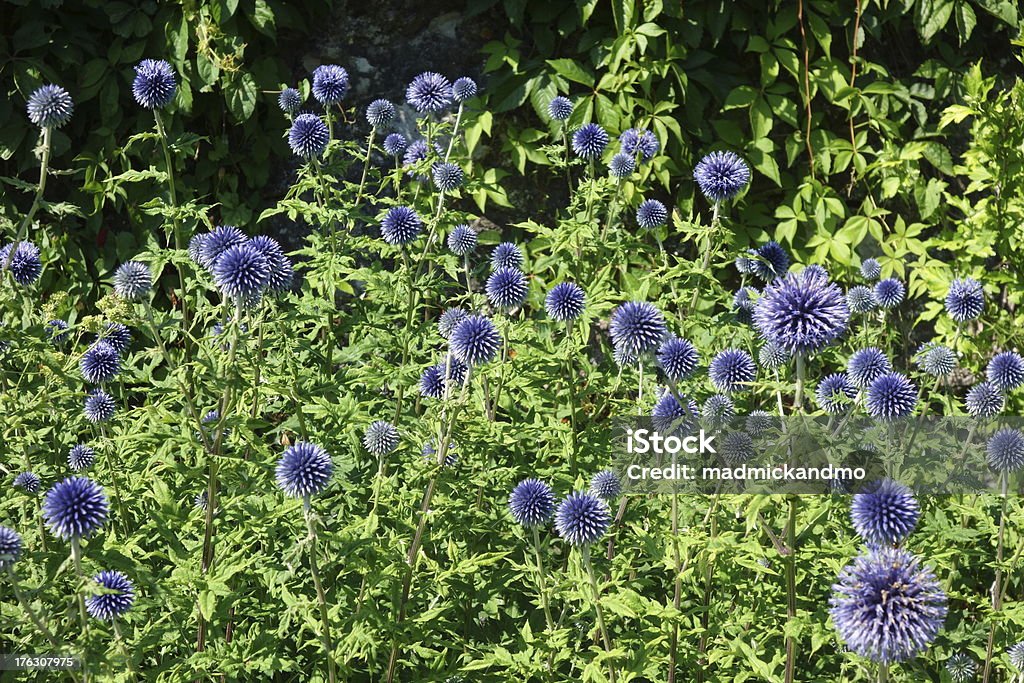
[
  {"x": 965, "y": 300},
  {"x": 867, "y": 364},
  {"x": 886, "y": 606},
  {"x": 651, "y": 214},
  {"x": 1016, "y": 654},
  {"x": 721, "y": 175},
  {"x": 400, "y": 226},
  {"x": 99, "y": 406},
  {"x": 637, "y": 327},
  {"x": 606, "y": 485},
  {"x": 801, "y": 315},
  {"x": 115, "y": 597},
  {"x": 1005, "y": 450},
  {"x": 438, "y": 381},
  {"x": 304, "y": 469},
  {"x": 744, "y": 265},
  {"x": 745, "y": 299},
  {"x": 737, "y": 447},
  {"x": 936, "y": 360},
  {"x": 589, "y": 141},
  {"x": 416, "y": 152},
  {"x": 732, "y": 370},
  {"x": 132, "y": 281},
  {"x": 463, "y": 89},
  {"x": 462, "y": 240},
  {"x": 381, "y": 438},
  {"x": 10, "y": 547},
  {"x": 678, "y": 358},
  {"x": 155, "y": 84},
  {"x": 771, "y": 356},
  {"x": 885, "y": 513},
  {"x": 57, "y": 332},
  {"x": 717, "y": 410},
  {"x": 560, "y": 108},
  {"x": 429, "y": 92},
  {"x": 506, "y": 288},
  {"x": 961, "y": 668},
  {"x": 565, "y": 301},
  {"x": 582, "y": 518},
  {"x": 861, "y": 299},
  {"x": 870, "y": 269},
  {"x": 25, "y": 264},
  {"x": 642, "y": 143},
  {"x": 395, "y": 144},
  {"x": 308, "y": 136},
  {"x": 671, "y": 416},
  {"x": 281, "y": 270},
  {"x": 760, "y": 422},
  {"x": 506, "y": 255},
  {"x": 475, "y": 340},
  {"x": 621, "y": 166},
  {"x": 380, "y": 113},
  {"x": 889, "y": 293},
  {"x": 100, "y": 363},
  {"x": 117, "y": 335},
  {"x": 1006, "y": 370},
  {"x": 50, "y": 106},
  {"x": 330, "y": 84},
  {"x": 195, "y": 247},
  {"x": 289, "y": 100},
  {"x": 451, "y": 458},
  {"x": 449, "y": 320},
  {"x": 75, "y": 508},
  {"x": 27, "y": 481},
  {"x": 891, "y": 397},
  {"x": 219, "y": 240},
  {"x": 770, "y": 261},
  {"x": 984, "y": 401},
  {"x": 835, "y": 393},
  {"x": 532, "y": 503},
  {"x": 242, "y": 273},
  {"x": 447, "y": 177},
  {"x": 81, "y": 457}
]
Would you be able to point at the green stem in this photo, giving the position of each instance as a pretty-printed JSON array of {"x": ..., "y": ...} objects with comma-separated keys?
[
  {"x": 596, "y": 591},
  {"x": 542, "y": 582},
  {"x": 44, "y": 167},
  {"x": 35, "y": 618},
  {"x": 571, "y": 390},
  {"x": 455, "y": 132},
  {"x": 366, "y": 166},
  {"x": 321, "y": 596},
  {"x": 124, "y": 650},
  {"x": 706, "y": 258},
  {"x": 175, "y": 223},
  {"x": 997, "y": 585}
]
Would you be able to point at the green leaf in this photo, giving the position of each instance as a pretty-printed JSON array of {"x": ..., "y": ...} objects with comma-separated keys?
[
  {"x": 241, "y": 96},
  {"x": 570, "y": 69},
  {"x": 931, "y": 16}
]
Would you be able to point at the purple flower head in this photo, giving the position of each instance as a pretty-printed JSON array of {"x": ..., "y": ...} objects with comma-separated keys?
[
  {"x": 395, "y": 144},
  {"x": 50, "y": 106},
  {"x": 678, "y": 358},
  {"x": 506, "y": 288},
  {"x": 463, "y": 89},
  {"x": 721, "y": 175},
  {"x": 835, "y": 393},
  {"x": 304, "y": 469},
  {"x": 75, "y": 508},
  {"x": 732, "y": 370},
  {"x": 449, "y": 319},
  {"x": 984, "y": 401},
  {"x": 891, "y": 397},
  {"x": 867, "y": 364},
  {"x": 289, "y": 100},
  {"x": 635, "y": 142},
  {"x": 885, "y": 513},
  {"x": 965, "y": 300},
  {"x": 380, "y": 113},
  {"x": 10, "y": 547},
  {"x": 506, "y": 255},
  {"x": 27, "y": 481},
  {"x": 770, "y": 261},
  {"x": 100, "y": 363},
  {"x": 447, "y": 177},
  {"x": 560, "y": 108},
  {"x": 582, "y": 518},
  {"x": 462, "y": 240},
  {"x": 81, "y": 457},
  {"x": 1005, "y": 450},
  {"x": 155, "y": 83},
  {"x": 532, "y": 503},
  {"x": 281, "y": 270},
  {"x": 429, "y": 92},
  {"x": 132, "y": 281},
  {"x": 589, "y": 141},
  {"x": 621, "y": 166},
  {"x": 99, "y": 406},
  {"x": 861, "y": 299},
  {"x": 381, "y": 438},
  {"x": 801, "y": 315},
  {"x": 475, "y": 340},
  {"x": 400, "y": 226},
  {"x": 308, "y": 136},
  {"x": 870, "y": 269},
  {"x": 606, "y": 485},
  {"x": 330, "y": 84},
  {"x": 1006, "y": 370},
  {"x": 889, "y": 293},
  {"x": 216, "y": 242},
  {"x": 242, "y": 273},
  {"x": 116, "y": 596},
  {"x": 565, "y": 301},
  {"x": 651, "y": 214},
  {"x": 637, "y": 327}
]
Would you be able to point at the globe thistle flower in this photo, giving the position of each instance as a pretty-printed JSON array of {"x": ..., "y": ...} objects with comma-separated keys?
[
  {"x": 651, "y": 214},
  {"x": 886, "y": 606},
  {"x": 737, "y": 447},
  {"x": 936, "y": 360},
  {"x": 100, "y": 363},
  {"x": 433, "y": 383},
  {"x": 429, "y": 92},
  {"x": 289, "y": 100},
  {"x": 451, "y": 458},
  {"x": 984, "y": 400},
  {"x": 889, "y": 293},
  {"x": 304, "y": 469},
  {"x": 463, "y": 89},
  {"x": 961, "y": 668},
  {"x": 27, "y": 482},
  {"x": 116, "y": 599},
  {"x": 117, "y": 335},
  {"x": 582, "y": 518},
  {"x": 745, "y": 299},
  {"x": 771, "y": 356},
  {"x": 155, "y": 84},
  {"x": 890, "y": 397},
  {"x": 744, "y": 265},
  {"x": 1005, "y": 450},
  {"x": 814, "y": 270},
  {"x": 532, "y": 503},
  {"x": 81, "y": 457},
  {"x": 717, "y": 410},
  {"x": 57, "y": 332},
  {"x": 870, "y": 269},
  {"x": 415, "y": 152},
  {"x": 560, "y": 108},
  {"x": 380, "y": 113},
  {"x": 242, "y": 273},
  {"x": 330, "y": 84},
  {"x": 506, "y": 288},
  {"x": 835, "y": 393},
  {"x": 770, "y": 261},
  {"x": 506, "y": 255},
  {"x": 216, "y": 242},
  {"x": 395, "y": 144},
  {"x": 24, "y": 264},
  {"x": 449, "y": 320},
  {"x": 50, "y": 106},
  {"x": 281, "y": 270},
  {"x": 10, "y": 547},
  {"x": 132, "y": 281},
  {"x": 861, "y": 299},
  {"x": 462, "y": 240},
  {"x": 637, "y": 327},
  {"x": 606, "y": 485},
  {"x": 621, "y": 166},
  {"x": 99, "y": 406},
  {"x": 965, "y": 300},
  {"x": 475, "y": 340},
  {"x": 669, "y": 415},
  {"x": 678, "y": 358},
  {"x": 760, "y": 422},
  {"x": 308, "y": 136},
  {"x": 195, "y": 247},
  {"x": 802, "y": 315},
  {"x": 721, "y": 175},
  {"x": 400, "y": 226},
  {"x": 201, "y": 500},
  {"x": 732, "y": 370},
  {"x": 1016, "y": 655},
  {"x": 589, "y": 141},
  {"x": 447, "y": 177},
  {"x": 380, "y": 438},
  {"x": 75, "y": 508},
  {"x": 208, "y": 426},
  {"x": 885, "y": 513},
  {"x": 565, "y": 301},
  {"x": 643, "y": 142},
  {"x": 1006, "y": 370},
  {"x": 867, "y": 364}
]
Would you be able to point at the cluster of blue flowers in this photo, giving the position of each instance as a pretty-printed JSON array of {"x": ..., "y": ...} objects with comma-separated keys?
[{"x": 243, "y": 269}]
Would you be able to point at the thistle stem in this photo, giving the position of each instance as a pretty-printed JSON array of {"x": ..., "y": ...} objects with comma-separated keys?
[
  {"x": 455, "y": 132},
  {"x": 175, "y": 223},
  {"x": 706, "y": 258},
  {"x": 321, "y": 596},
  {"x": 542, "y": 582},
  {"x": 596, "y": 591},
  {"x": 38, "y": 621},
  {"x": 44, "y": 167},
  {"x": 997, "y": 585}
]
